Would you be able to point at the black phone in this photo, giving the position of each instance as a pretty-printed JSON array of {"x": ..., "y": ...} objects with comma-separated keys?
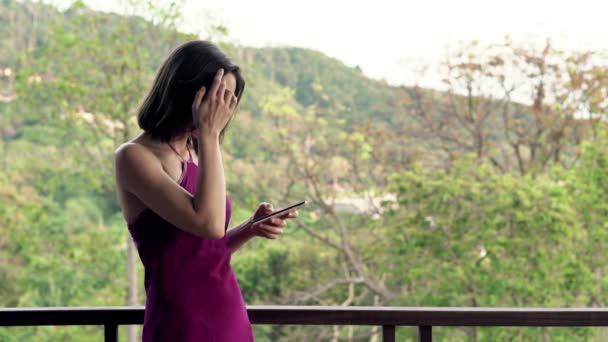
[{"x": 277, "y": 212}]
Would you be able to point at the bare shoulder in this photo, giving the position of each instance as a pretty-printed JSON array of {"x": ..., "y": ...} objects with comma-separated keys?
[
  {"x": 131, "y": 151},
  {"x": 131, "y": 158}
]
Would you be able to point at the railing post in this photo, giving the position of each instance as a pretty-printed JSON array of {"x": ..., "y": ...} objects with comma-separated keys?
[
  {"x": 388, "y": 333},
  {"x": 110, "y": 332},
  {"x": 425, "y": 333}
]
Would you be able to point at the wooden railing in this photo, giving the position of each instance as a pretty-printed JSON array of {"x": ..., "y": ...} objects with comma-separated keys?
[{"x": 425, "y": 318}]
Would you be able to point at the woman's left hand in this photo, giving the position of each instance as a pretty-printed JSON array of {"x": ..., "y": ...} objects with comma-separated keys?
[{"x": 272, "y": 228}]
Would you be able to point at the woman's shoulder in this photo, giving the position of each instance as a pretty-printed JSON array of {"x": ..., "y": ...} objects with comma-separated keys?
[
  {"x": 135, "y": 154},
  {"x": 137, "y": 149},
  {"x": 131, "y": 151}
]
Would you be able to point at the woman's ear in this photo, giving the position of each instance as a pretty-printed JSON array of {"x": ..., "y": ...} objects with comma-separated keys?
[{"x": 192, "y": 130}]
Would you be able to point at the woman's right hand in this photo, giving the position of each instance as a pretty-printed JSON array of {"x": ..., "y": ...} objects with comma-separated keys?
[
  {"x": 212, "y": 114},
  {"x": 272, "y": 228}
]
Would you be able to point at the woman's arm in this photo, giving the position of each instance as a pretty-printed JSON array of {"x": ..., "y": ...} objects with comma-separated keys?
[
  {"x": 240, "y": 235},
  {"x": 270, "y": 229},
  {"x": 139, "y": 172}
]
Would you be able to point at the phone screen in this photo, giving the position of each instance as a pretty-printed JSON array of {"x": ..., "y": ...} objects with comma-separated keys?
[{"x": 278, "y": 212}]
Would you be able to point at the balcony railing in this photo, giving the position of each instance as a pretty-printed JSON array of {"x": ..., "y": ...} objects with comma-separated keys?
[{"x": 425, "y": 318}]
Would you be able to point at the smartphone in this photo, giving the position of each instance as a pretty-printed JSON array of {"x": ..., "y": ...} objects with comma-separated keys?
[{"x": 278, "y": 212}]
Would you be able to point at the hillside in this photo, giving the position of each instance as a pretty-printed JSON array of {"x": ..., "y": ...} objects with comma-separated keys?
[
  {"x": 312, "y": 75},
  {"x": 337, "y": 89},
  {"x": 311, "y": 128}
]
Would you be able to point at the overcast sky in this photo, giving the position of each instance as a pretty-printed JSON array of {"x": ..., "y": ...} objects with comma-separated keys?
[{"x": 388, "y": 38}]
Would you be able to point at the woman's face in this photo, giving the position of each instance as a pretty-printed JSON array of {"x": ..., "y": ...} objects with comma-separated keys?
[{"x": 230, "y": 80}]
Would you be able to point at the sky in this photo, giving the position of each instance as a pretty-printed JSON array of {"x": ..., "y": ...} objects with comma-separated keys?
[{"x": 391, "y": 39}]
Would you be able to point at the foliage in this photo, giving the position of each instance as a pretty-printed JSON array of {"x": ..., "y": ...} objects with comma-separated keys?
[{"x": 440, "y": 227}]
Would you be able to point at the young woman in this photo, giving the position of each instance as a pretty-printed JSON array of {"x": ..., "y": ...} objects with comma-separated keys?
[{"x": 172, "y": 191}]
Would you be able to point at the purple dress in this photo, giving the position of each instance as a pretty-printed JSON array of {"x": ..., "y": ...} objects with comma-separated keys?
[{"x": 192, "y": 293}]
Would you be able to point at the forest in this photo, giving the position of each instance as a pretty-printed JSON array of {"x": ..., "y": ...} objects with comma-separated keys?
[{"x": 489, "y": 192}]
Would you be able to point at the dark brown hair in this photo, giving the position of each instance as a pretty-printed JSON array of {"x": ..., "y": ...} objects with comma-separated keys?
[{"x": 167, "y": 110}]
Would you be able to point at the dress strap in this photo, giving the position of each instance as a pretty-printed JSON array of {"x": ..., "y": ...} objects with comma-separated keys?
[{"x": 179, "y": 155}]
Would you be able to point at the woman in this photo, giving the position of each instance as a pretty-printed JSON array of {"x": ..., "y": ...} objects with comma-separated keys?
[{"x": 172, "y": 192}]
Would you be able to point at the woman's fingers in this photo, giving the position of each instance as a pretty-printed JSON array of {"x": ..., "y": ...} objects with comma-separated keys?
[
  {"x": 269, "y": 235},
  {"x": 198, "y": 99},
  {"x": 217, "y": 81},
  {"x": 271, "y": 232},
  {"x": 221, "y": 93},
  {"x": 213, "y": 107},
  {"x": 289, "y": 215},
  {"x": 277, "y": 222},
  {"x": 272, "y": 227},
  {"x": 232, "y": 102},
  {"x": 227, "y": 97}
]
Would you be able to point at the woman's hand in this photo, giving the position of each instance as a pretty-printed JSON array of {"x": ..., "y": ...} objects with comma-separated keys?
[
  {"x": 272, "y": 228},
  {"x": 212, "y": 114}
]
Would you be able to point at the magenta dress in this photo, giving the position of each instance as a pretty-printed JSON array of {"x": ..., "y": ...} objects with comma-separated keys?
[{"x": 192, "y": 293}]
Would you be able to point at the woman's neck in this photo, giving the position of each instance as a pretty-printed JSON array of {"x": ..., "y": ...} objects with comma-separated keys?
[{"x": 180, "y": 144}]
